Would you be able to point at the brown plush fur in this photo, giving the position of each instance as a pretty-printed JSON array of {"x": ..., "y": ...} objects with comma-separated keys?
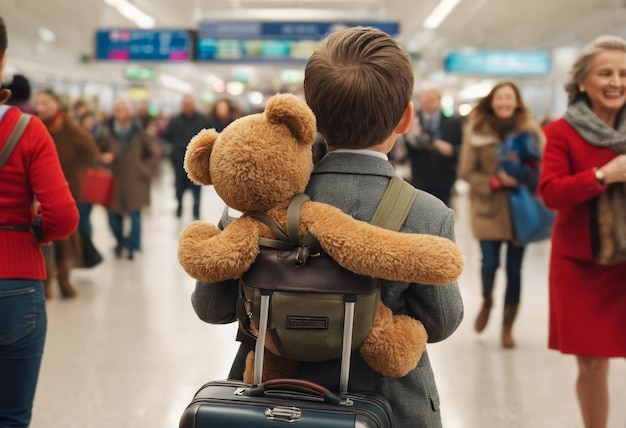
[{"x": 259, "y": 163}]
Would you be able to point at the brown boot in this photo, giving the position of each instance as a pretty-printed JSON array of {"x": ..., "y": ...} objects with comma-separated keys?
[
  {"x": 483, "y": 315},
  {"x": 510, "y": 312},
  {"x": 67, "y": 289}
]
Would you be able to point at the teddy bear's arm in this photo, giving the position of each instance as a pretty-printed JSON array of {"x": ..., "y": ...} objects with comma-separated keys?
[
  {"x": 369, "y": 250},
  {"x": 209, "y": 255}
]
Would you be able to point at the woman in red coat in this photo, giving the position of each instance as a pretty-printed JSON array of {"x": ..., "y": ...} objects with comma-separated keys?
[
  {"x": 584, "y": 154},
  {"x": 31, "y": 170}
]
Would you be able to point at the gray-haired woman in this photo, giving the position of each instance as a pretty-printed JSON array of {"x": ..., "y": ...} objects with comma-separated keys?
[{"x": 585, "y": 153}]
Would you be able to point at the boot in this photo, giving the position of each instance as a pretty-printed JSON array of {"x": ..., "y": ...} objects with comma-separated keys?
[
  {"x": 510, "y": 312},
  {"x": 483, "y": 315},
  {"x": 67, "y": 289}
]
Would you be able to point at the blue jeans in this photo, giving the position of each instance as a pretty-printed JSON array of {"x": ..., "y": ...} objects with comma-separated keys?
[
  {"x": 183, "y": 183},
  {"x": 133, "y": 241},
  {"x": 23, "y": 325},
  {"x": 491, "y": 263},
  {"x": 84, "y": 209}
]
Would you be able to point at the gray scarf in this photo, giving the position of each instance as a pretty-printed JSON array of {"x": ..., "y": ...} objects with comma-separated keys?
[{"x": 593, "y": 130}]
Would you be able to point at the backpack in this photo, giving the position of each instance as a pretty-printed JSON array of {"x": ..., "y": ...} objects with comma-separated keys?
[{"x": 309, "y": 289}]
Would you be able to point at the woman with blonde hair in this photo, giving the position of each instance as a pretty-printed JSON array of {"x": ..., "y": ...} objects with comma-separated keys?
[
  {"x": 498, "y": 117},
  {"x": 585, "y": 158}
]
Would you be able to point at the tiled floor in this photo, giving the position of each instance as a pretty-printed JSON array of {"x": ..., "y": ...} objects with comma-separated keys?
[{"x": 130, "y": 352}]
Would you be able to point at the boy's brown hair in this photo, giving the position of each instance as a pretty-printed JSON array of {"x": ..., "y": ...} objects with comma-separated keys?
[{"x": 358, "y": 82}]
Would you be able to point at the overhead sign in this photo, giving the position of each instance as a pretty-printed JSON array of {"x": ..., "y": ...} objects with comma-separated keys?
[
  {"x": 499, "y": 63},
  {"x": 144, "y": 45},
  {"x": 247, "y": 41},
  {"x": 139, "y": 73}
]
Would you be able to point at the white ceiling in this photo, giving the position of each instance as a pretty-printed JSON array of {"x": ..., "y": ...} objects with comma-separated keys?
[{"x": 509, "y": 24}]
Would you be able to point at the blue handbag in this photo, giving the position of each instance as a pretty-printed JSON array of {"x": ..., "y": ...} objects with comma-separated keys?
[{"x": 532, "y": 221}]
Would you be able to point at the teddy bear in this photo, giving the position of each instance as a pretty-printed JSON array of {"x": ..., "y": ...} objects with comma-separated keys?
[{"x": 259, "y": 163}]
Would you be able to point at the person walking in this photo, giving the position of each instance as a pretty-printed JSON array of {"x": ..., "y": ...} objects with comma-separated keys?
[
  {"x": 32, "y": 169},
  {"x": 127, "y": 151},
  {"x": 77, "y": 151},
  {"x": 497, "y": 117},
  {"x": 180, "y": 130},
  {"x": 433, "y": 144},
  {"x": 585, "y": 157}
]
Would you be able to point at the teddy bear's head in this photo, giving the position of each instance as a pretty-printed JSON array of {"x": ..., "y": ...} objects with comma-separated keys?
[{"x": 258, "y": 161}]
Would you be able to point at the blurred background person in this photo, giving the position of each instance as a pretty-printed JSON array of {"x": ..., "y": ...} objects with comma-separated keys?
[
  {"x": 224, "y": 111},
  {"x": 33, "y": 168},
  {"x": 89, "y": 122},
  {"x": 180, "y": 130},
  {"x": 20, "y": 94},
  {"x": 77, "y": 151},
  {"x": 127, "y": 150},
  {"x": 500, "y": 115},
  {"x": 433, "y": 144},
  {"x": 585, "y": 153},
  {"x": 79, "y": 109}
]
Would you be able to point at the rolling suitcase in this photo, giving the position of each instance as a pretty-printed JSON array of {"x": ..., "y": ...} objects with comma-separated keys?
[{"x": 236, "y": 404}]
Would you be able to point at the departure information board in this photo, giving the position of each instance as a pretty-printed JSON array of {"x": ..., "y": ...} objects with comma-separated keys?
[
  {"x": 249, "y": 41},
  {"x": 144, "y": 45},
  {"x": 499, "y": 63}
]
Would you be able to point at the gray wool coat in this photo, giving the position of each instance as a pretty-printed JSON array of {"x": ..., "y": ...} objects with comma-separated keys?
[{"x": 355, "y": 183}]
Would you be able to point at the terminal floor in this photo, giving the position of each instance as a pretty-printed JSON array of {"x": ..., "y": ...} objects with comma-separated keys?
[{"x": 130, "y": 352}]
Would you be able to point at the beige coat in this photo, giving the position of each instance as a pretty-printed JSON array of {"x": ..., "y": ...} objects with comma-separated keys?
[{"x": 490, "y": 216}]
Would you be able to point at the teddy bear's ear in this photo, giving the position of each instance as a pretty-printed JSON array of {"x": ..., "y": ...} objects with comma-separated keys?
[
  {"x": 295, "y": 114},
  {"x": 198, "y": 154}
]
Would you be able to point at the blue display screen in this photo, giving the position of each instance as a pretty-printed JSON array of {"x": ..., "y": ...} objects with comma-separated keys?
[
  {"x": 144, "y": 45},
  {"x": 499, "y": 63},
  {"x": 249, "y": 41}
]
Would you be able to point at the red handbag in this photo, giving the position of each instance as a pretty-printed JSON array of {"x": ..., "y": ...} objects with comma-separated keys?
[{"x": 99, "y": 186}]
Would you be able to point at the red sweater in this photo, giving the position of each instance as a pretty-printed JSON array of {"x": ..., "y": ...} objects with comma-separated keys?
[{"x": 33, "y": 169}]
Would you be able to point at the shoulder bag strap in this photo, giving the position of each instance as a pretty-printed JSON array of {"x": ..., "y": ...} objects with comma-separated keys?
[
  {"x": 395, "y": 205},
  {"x": 13, "y": 139}
]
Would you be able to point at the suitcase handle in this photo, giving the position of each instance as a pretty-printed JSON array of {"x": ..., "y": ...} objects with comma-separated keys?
[{"x": 295, "y": 385}]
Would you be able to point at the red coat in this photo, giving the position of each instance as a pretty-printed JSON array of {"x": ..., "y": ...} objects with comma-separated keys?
[
  {"x": 587, "y": 301},
  {"x": 32, "y": 169}
]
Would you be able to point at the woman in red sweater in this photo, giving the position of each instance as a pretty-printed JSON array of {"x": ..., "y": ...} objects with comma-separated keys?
[
  {"x": 585, "y": 153},
  {"x": 32, "y": 170}
]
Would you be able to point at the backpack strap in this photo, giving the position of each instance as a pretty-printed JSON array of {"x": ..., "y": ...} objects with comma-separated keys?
[
  {"x": 286, "y": 240},
  {"x": 13, "y": 139},
  {"x": 395, "y": 205}
]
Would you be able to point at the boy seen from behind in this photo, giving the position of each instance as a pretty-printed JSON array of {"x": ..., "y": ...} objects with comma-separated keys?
[{"x": 359, "y": 83}]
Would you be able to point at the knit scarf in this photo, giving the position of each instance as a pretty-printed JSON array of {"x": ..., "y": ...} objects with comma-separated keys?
[{"x": 593, "y": 130}]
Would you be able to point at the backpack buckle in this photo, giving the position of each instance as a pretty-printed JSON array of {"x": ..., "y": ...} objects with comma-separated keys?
[{"x": 302, "y": 255}]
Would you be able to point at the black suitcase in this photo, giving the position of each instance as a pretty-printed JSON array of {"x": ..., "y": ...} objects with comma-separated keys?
[{"x": 306, "y": 404}]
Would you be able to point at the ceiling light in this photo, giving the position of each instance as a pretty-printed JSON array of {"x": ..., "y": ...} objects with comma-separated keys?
[
  {"x": 234, "y": 88},
  {"x": 440, "y": 13},
  {"x": 255, "y": 98},
  {"x": 46, "y": 35},
  {"x": 132, "y": 13}
]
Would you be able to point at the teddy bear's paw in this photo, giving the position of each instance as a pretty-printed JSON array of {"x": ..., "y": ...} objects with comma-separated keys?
[
  {"x": 395, "y": 349},
  {"x": 198, "y": 231}
]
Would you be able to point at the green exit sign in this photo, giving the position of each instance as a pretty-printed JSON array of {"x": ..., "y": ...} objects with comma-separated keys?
[{"x": 140, "y": 73}]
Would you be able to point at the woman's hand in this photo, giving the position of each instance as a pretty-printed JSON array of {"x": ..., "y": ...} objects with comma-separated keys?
[
  {"x": 615, "y": 170},
  {"x": 506, "y": 180},
  {"x": 107, "y": 158}
]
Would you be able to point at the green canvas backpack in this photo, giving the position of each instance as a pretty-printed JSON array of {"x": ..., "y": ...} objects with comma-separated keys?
[{"x": 309, "y": 289}]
